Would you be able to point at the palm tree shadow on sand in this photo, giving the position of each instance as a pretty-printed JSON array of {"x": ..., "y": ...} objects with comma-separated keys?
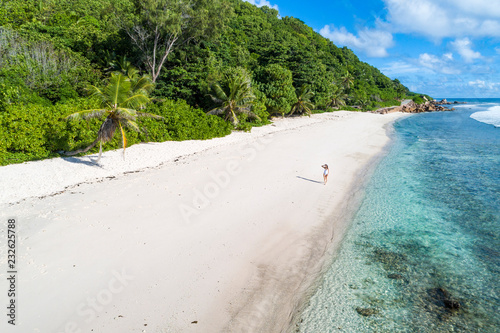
[
  {"x": 93, "y": 161},
  {"x": 310, "y": 180}
]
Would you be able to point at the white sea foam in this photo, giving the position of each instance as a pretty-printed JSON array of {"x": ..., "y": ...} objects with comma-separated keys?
[{"x": 492, "y": 116}]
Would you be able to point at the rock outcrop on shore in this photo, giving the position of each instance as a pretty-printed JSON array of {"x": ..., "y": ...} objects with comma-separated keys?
[{"x": 412, "y": 107}]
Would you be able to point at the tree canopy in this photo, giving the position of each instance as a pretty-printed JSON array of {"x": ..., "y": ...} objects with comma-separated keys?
[{"x": 51, "y": 51}]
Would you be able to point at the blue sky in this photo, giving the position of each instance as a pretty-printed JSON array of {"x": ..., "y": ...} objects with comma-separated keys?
[{"x": 443, "y": 48}]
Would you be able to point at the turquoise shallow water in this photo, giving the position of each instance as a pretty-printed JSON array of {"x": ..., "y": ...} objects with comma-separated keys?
[{"x": 423, "y": 251}]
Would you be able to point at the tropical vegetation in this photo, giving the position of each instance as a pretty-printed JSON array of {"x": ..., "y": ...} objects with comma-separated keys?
[
  {"x": 235, "y": 98},
  {"x": 303, "y": 104},
  {"x": 119, "y": 101},
  {"x": 199, "y": 77}
]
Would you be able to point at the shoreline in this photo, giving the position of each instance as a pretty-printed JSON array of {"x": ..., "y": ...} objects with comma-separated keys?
[
  {"x": 32, "y": 181},
  {"x": 337, "y": 224},
  {"x": 349, "y": 208},
  {"x": 187, "y": 273}
]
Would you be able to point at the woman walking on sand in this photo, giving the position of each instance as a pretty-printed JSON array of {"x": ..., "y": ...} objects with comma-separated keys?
[{"x": 325, "y": 173}]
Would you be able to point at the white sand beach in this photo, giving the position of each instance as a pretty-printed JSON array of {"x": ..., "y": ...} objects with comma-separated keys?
[{"x": 222, "y": 235}]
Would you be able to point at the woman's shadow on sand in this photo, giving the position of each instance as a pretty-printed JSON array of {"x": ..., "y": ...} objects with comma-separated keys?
[{"x": 310, "y": 180}]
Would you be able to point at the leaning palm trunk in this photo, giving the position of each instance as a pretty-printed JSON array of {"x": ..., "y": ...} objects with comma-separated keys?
[
  {"x": 107, "y": 130},
  {"x": 105, "y": 134},
  {"x": 83, "y": 150}
]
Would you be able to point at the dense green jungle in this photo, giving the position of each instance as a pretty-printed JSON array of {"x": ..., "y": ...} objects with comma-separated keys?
[{"x": 78, "y": 76}]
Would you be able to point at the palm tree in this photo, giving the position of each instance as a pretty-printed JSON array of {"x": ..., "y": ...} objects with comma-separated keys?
[
  {"x": 303, "y": 104},
  {"x": 236, "y": 99},
  {"x": 139, "y": 83},
  {"x": 347, "y": 80},
  {"x": 363, "y": 102},
  {"x": 119, "y": 103},
  {"x": 337, "y": 98}
]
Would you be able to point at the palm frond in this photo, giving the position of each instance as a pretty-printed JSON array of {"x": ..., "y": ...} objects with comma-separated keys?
[
  {"x": 217, "y": 111},
  {"x": 121, "y": 65},
  {"x": 143, "y": 85},
  {"x": 136, "y": 101},
  {"x": 220, "y": 94},
  {"x": 237, "y": 98},
  {"x": 131, "y": 72},
  {"x": 306, "y": 94},
  {"x": 125, "y": 113},
  {"x": 215, "y": 99},
  {"x": 251, "y": 114},
  {"x": 132, "y": 124},
  {"x": 94, "y": 91},
  {"x": 149, "y": 115},
  {"x": 243, "y": 92},
  {"x": 118, "y": 89},
  {"x": 86, "y": 114},
  {"x": 309, "y": 105},
  {"x": 303, "y": 103}
]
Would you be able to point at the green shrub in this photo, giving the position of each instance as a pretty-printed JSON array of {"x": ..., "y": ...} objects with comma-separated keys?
[
  {"x": 418, "y": 99},
  {"x": 33, "y": 131},
  {"x": 276, "y": 83},
  {"x": 36, "y": 131},
  {"x": 182, "y": 122},
  {"x": 374, "y": 105},
  {"x": 322, "y": 110},
  {"x": 23, "y": 133},
  {"x": 14, "y": 91}
]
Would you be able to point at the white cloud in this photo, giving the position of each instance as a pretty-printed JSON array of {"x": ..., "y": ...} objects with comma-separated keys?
[
  {"x": 372, "y": 42},
  {"x": 478, "y": 83},
  {"x": 438, "y": 64},
  {"x": 448, "y": 56},
  {"x": 483, "y": 84},
  {"x": 486, "y": 8},
  {"x": 260, "y": 3},
  {"x": 438, "y": 19},
  {"x": 429, "y": 60},
  {"x": 464, "y": 47},
  {"x": 399, "y": 68},
  {"x": 433, "y": 19}
]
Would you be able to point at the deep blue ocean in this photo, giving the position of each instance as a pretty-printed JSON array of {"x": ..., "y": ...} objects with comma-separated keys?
[{"x": 423, "y": 251}]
